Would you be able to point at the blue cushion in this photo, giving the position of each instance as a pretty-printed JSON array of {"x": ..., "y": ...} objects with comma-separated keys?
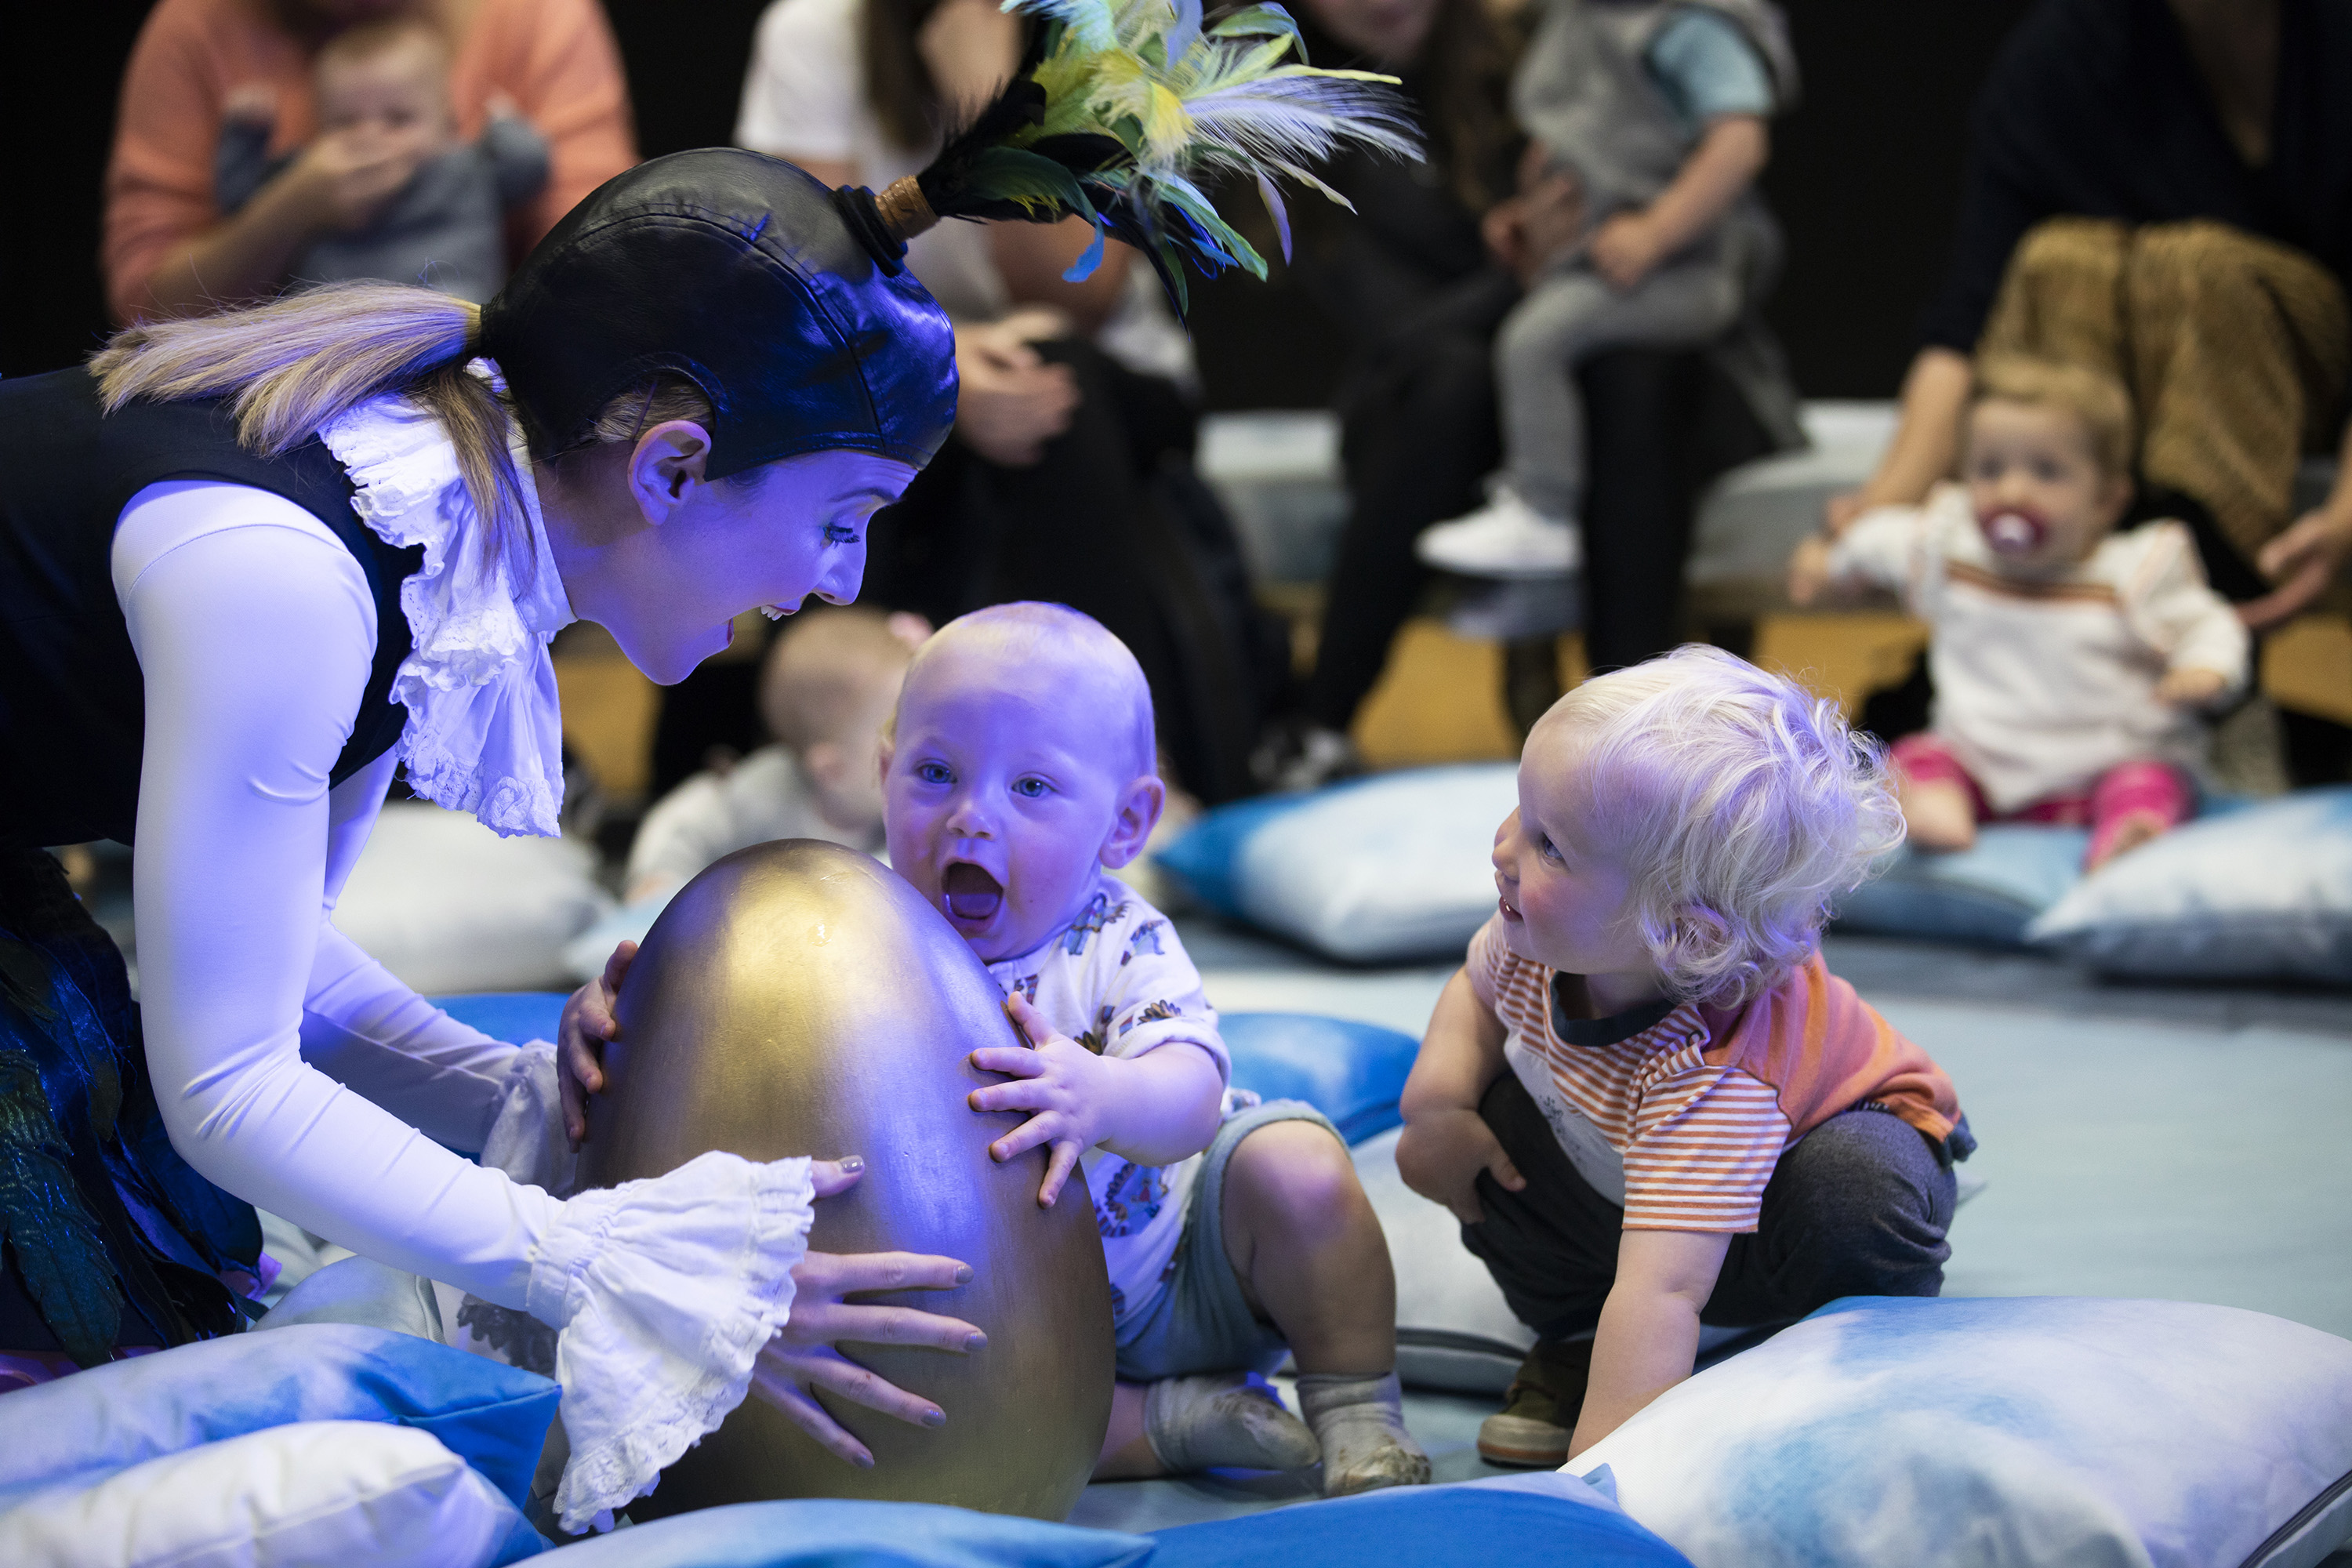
[
  {"x": 1353, "y": 1073},
  {"x": 515, "y": 1016},
  {"x": 835, "y": 1534},
  {"x": 1477, "y": 1524},
  {"x": 2263, "y": 892},
  {"x": 1985, "y": 895},
  {"x": 1376, "y": 870},
  {"x": 1939, "y": 1433},
  {"x": 125, "y": 1412}
]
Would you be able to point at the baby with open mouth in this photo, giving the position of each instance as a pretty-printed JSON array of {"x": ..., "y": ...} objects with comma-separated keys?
[{"x": 1018, "y": 773}]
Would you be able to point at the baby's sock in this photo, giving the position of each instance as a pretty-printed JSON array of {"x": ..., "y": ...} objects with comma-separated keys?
[
  {"x": 1360, "y": 1422},
  {"x": 1223, "y": 1419}
]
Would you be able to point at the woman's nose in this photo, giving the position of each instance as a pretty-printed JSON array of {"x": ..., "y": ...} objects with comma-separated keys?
[{"x": 840, "y": 584}]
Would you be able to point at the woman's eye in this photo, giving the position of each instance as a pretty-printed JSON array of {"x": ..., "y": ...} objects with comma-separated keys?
[
  {"x": 933, "y": 773},
  {"x": 1032, "y": 788},
  {"x": 840, "y": 533}
]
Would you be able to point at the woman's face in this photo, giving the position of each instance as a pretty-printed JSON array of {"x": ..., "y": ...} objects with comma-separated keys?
[
  {"x": 669, "y": 593},
  {"x": 1391, "y": 32}
]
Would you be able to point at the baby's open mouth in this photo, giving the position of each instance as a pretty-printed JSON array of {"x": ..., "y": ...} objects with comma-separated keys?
[{"x": 968, "y": 893}]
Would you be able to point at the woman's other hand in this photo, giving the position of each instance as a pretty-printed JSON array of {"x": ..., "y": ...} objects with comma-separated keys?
[
  {"x": 2302, "y": 561},
  {"x": 1010, "y": 402},
  {"x": 803, "y": 1357},
  {"x": 588, "y": 1022}
]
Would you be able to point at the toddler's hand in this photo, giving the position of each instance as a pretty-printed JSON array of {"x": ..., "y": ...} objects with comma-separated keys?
[
  {"x": 1440, "y": 1156},
  {"x": 2191, "y": 688},
  {"x": 580, "y": 1037},
  {"x": 1808, "y": 571},
  {"x": 1058, "y": 1083},
  {"x": 255, "y": 103},
  {"x": 1626, "y": 250}
]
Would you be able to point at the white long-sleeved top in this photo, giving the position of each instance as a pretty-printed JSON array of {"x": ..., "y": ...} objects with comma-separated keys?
[
  {"x": 295, "y": 1072},
  {"x": 2044, "y": 684}
]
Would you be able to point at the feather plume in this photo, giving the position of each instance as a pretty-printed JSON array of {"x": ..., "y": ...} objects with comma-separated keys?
[{"x": 1124, "y": 109}]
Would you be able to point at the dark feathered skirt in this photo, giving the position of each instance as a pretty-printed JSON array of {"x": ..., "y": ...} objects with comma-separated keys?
[{"x": 108, "y": 1240}]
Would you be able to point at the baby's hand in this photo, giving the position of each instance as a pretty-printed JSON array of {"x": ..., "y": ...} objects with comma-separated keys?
[
  {"x": 1440, "y": 1155},
  {"x": 1626, "y": 250},
  {"x": 1059, "y": 1083},
  {"x": 1808, "y": 571},
  {"x": 2191, "y": 688},
  {"x": 588, "y": 1022}
]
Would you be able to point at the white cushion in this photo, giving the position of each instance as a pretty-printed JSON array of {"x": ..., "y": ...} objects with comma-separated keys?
[
  {"x": 1383, "y": 869},
  {"x": 339, "y": 1493},
  {"x": 1996, "y": 1432},
  {"x": 2261, "y": 893},
  {"x": 447, "y": 905},
  {"x": 1454, "y": 1331}
]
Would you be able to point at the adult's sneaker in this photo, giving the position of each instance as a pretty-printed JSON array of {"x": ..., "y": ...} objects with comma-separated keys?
[{"x": 1505, "y": 538}]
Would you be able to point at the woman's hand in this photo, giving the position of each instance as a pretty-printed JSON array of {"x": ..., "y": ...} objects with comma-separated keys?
[
  {"x": 802, "y": 1358},
  {"x": 1058, "y": 1082},
  {"x": 1440, "y": 1154},
  {"x": 1528, "y": 231},
  {"x": 1010, "y": 402},
  {"x": 2302, "y": 561},
  {"x": 343, "y": 180},
  {"x": 1808, "y": 570},
  {"x": 587, "y": 1023}
]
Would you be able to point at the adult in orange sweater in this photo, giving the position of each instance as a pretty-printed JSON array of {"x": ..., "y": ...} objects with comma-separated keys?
[
  {"x": 1646, "y": 1098},
  {"x": 168, "y": 251}
]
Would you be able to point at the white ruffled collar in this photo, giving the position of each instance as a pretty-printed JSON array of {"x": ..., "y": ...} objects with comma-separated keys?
[{"x": 485, "y": 729}]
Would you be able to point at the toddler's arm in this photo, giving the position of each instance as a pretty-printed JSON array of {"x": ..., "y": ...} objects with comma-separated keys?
[
  {"x": 1446, "y": 1142},
  {"x": 1151, "y": 1109},
  {"x": 1731, "y": 153},
  {"x": 1648, "y": 1337}
]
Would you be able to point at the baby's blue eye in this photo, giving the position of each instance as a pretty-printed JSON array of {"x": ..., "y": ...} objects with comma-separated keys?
[
  {"x": 1549, "y": 850},
  {"x": 1032, "y": 788},
  {"x": 933, "y": 773}
]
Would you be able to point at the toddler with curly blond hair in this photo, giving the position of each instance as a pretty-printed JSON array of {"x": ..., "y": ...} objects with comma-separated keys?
[{"x": 1646, "y": 1099}]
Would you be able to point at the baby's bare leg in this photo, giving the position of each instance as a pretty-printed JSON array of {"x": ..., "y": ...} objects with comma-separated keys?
[
  {"x": 1311, "y": 1259},
  {"x": 1939, "y": 813}
]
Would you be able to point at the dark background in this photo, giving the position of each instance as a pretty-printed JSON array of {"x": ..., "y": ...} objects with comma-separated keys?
[{"x": 1864, "y": 176}]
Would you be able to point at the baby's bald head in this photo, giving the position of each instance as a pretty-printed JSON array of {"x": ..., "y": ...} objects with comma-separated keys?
[{"x": 1096, "y": 680}]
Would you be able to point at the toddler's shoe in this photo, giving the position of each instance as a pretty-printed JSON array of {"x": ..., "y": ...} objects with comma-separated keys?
[
  {"x": 1539, "y": 1413},
  {"x": 1505, "y": 538}
]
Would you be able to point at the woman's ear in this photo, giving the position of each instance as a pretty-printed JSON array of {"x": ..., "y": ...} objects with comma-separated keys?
[
  {"x": 665, "y": 466},
  {"x": 1139, "y": 807}
]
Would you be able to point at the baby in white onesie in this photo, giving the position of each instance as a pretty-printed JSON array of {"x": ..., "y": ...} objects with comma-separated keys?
[
  {"x": 1018, "y": 771},
  {"x": 2073, "y": 666}
]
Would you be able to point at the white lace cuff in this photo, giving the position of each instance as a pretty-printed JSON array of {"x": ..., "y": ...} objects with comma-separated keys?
[{"x": 666, "y": 1290}]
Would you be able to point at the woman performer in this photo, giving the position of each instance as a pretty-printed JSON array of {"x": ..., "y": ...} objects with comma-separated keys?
[{"x": 253, "y": 561}]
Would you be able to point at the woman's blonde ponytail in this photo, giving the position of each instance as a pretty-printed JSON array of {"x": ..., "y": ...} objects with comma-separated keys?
[{"x": 288, "y": 367}]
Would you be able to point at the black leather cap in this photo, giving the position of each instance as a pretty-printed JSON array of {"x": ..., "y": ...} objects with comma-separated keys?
[{"x": 739, "y": 272}]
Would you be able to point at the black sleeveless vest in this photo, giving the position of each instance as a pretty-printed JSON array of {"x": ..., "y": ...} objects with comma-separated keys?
[{"x": 72, "y": 703}]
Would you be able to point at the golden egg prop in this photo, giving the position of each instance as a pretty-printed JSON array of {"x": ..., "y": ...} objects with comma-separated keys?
[{"x": 801, "y": 998}]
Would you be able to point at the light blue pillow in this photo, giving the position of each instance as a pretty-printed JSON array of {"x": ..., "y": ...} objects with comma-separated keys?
[
  {"x": 95, "y": 1422},
  {"x": 1989, "y": 1432},
  {"x": 835, "y": 1534},
  {"x": 1353, "y": 1073},
  {"x": 1546, "y": 1518},
  {"x": 1985, "y": 895},
  {"x": 1376, "y": 870},
  {"x": 2261, "y": 893}
]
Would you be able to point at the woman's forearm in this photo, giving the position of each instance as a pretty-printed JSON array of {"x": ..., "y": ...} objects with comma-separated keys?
[
  {"x": 243, "y": 257},
  {"x": 1927, "y": 430}
]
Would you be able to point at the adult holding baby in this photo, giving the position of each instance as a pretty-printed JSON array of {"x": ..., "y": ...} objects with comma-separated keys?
[
  {"x": 2160, "y": 191},
  {"x": 202, "y": 67},
  {"x": 259, "y": 560}
]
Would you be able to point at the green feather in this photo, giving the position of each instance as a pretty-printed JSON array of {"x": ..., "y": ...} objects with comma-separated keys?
[
  {"x": 59, "y": 1252},
  {"x": 1036, "y": 184}
]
